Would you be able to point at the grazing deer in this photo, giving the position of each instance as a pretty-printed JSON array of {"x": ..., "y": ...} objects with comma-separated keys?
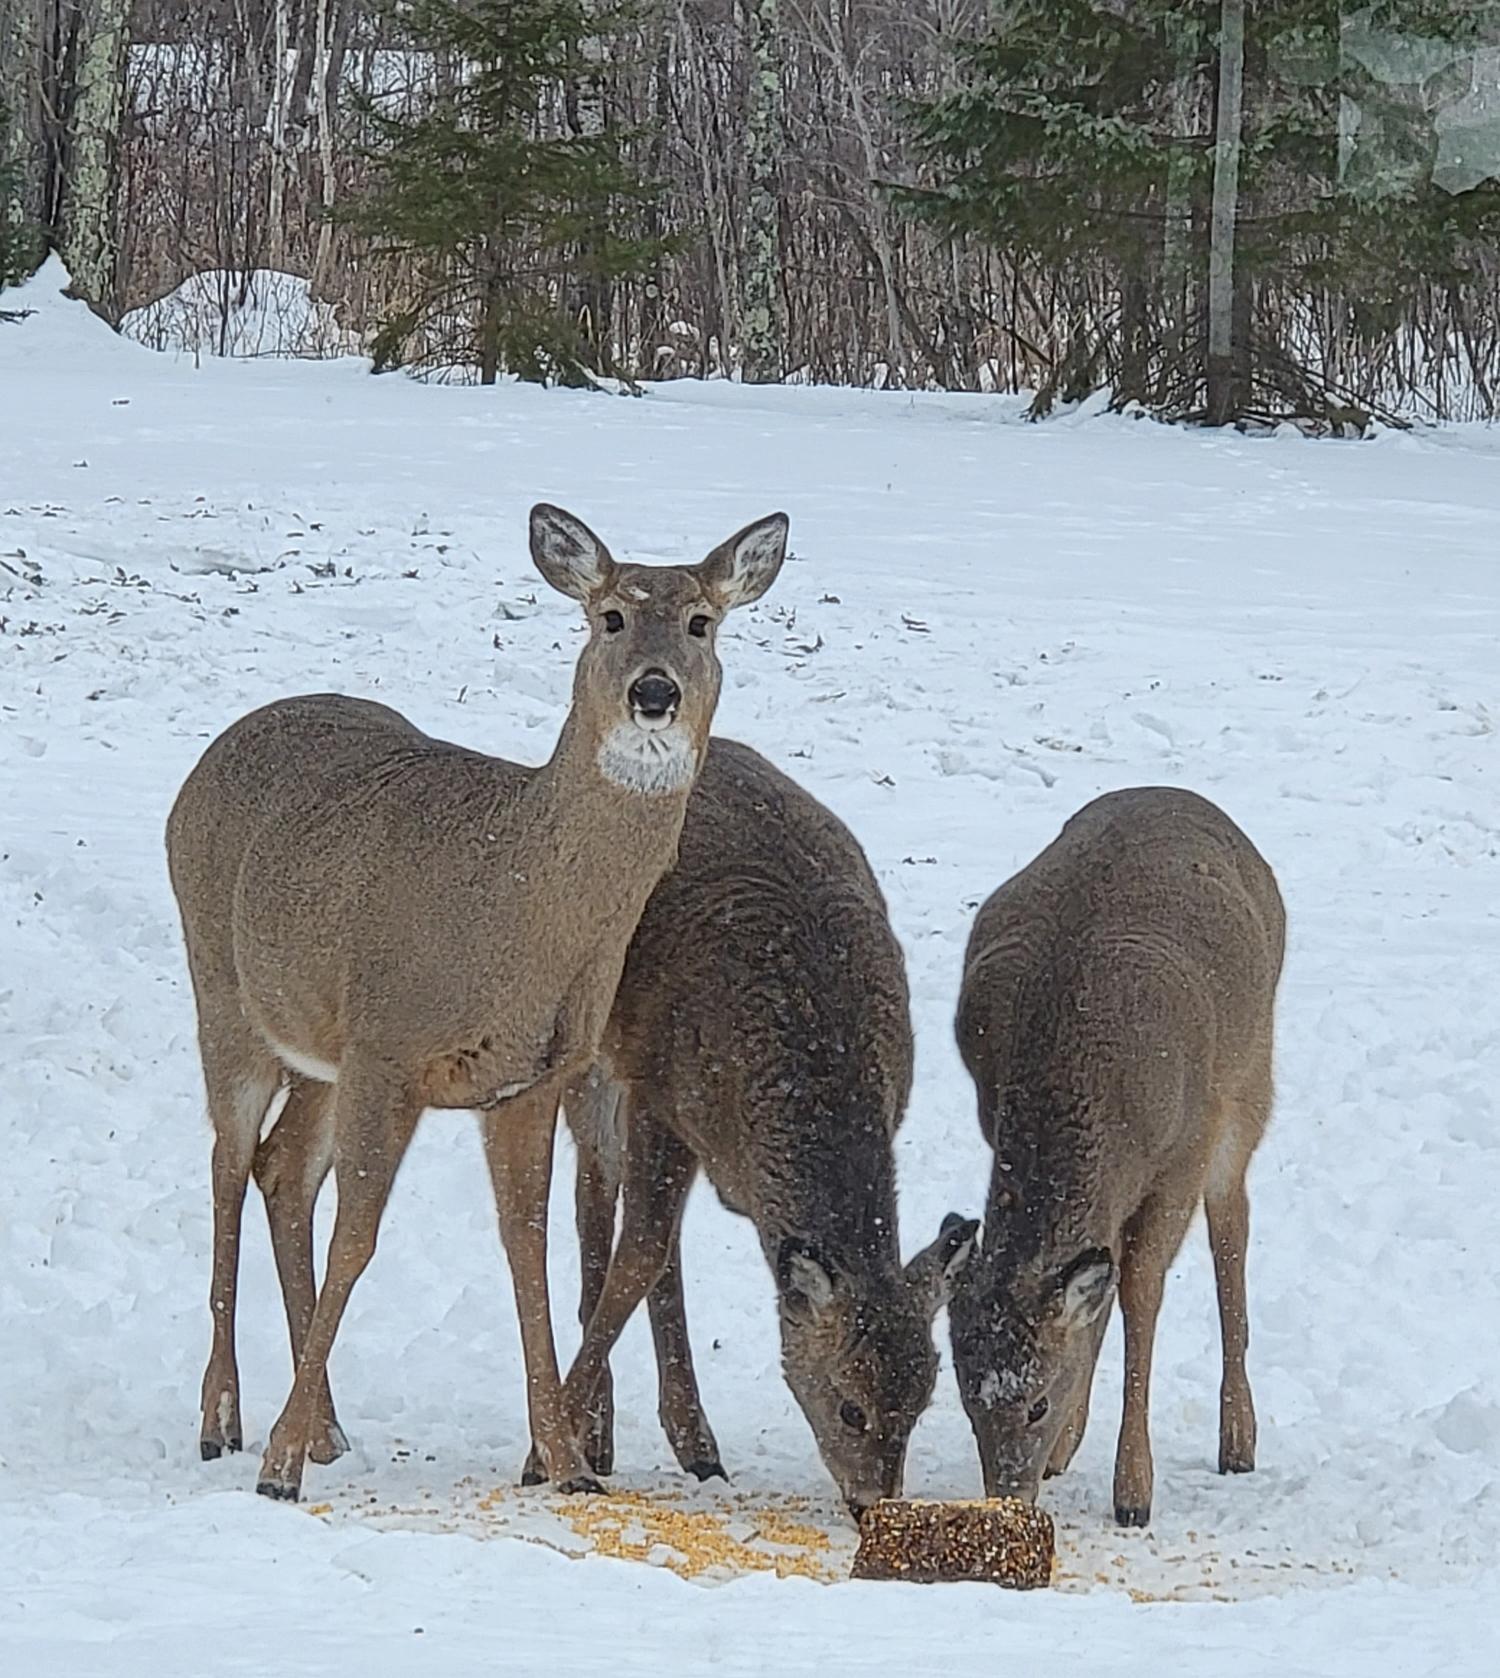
[
  {"x": 762, "y": 1033},
  {"x": 400, "y": 923},
  {"x": 1116, "y": 1017}
]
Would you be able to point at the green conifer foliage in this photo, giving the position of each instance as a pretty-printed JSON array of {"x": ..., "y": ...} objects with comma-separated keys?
[
  {"x": 509, "y": 209},
  {"x": 1082, "y": 139}
]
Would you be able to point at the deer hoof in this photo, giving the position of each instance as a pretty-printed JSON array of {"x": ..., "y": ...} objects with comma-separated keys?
[
  {"x": 279, "y": 1490},
  {"x": 1133, "y": 1514},
  {"x": 708, "y": 1471},
  {"x": 580, "y": 1483},
  {"x": 1237, "y": 1441},
  {"x": 328, "y": 1444}
]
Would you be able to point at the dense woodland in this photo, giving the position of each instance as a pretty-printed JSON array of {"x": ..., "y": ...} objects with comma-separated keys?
[{"x": 1232, "y": 210}]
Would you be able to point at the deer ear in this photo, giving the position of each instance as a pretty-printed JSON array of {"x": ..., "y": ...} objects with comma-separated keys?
[
  {"x": 568, "y": 554},
  {"x": 743, "y": 568},
  {"x": 1086, "y": 1288},
  {"x": 935, "y": 1271},
  {"x": 808, "y": 1283}
]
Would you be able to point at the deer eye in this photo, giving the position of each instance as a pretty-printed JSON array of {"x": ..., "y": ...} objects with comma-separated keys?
[
  {"x": 614, "y": 621},
  {"x": 698, "y": 625},
  {"x": 852, "y": 1416},
  {"x": 1037, "y": 1412}
]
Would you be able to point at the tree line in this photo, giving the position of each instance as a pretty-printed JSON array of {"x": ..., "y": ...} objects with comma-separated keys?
[{"x": 1226, "y": 210}]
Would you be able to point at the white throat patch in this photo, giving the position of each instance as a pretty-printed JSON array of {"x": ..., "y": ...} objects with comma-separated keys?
[{"x": 648, "y": 760}]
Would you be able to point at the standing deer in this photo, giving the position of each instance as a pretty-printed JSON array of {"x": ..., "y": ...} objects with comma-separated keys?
[
  {"x": 1116, "y": 1017},
  {"x": 400, "y": 923},
  {"x": 762, "y": 1033}
]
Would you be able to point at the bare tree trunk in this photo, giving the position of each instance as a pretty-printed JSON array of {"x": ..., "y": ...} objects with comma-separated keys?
[
  {"x": 1135, "y": 350},
  {"x": 654, "y": 301},
  {"x": 830, "y": 31},
  {"x": 322, "y": 69},
  {"x": 100, "y": 31},
  {"x": 760, "y": 332},
  {"x": 1223, "y": 395},
  {"x": 490, "y": 314},
  {"x": 587, "y": 115},
  {"x": 1177, "y": 239},
  {"x": 718, "y": 311},
  {"x": 281, "y": 93},
  {"x": 23, "y": 190}
]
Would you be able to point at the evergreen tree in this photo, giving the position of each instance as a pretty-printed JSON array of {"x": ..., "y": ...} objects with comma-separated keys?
[
  {"x": 1084, "y": 138},
  {"x": 510, "y": 210}
]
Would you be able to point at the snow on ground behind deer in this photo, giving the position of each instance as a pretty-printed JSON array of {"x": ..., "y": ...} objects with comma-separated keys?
[{"x": 984, "y": 624}]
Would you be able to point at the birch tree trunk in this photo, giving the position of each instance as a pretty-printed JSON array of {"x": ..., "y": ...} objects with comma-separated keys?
[
  {"x": 90, "y": 176},
  {"x": 322, "y": 75},
  {"x": 653, "y": 304},
  {"x": 1183, "y": 33},
  {"x": 760, "y": 334},
  {"x": 590, "y": 302},
  {"x": 281, "y": 93},
  {"x": 1224, "y": 397}
]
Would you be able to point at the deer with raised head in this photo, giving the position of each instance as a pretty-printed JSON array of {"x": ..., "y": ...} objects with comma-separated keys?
[
  {"x": 762, "y": 1035},
  {"x": 1116, "y": 1017},
  {"x": 399, "y": 923}
]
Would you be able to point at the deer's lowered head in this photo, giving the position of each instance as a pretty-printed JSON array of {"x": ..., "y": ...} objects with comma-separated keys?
[
  {"x": 647, "y": 682},
  {"x": 858, "y": 1355},
  {"x": 1024, "y": 1345}
]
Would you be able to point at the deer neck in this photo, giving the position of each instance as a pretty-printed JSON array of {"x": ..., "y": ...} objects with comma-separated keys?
[
  {"x": 605, "y": 844},
  {"x": 839, "y": 1192},
  {"x": 1044, "y": 1196}
]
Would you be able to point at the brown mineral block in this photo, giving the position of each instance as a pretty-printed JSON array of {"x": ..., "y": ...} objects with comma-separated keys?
[{"x": 1002, "y": 1542}]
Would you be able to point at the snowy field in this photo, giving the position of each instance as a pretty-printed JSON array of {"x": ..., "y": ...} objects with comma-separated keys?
[{"x": 984, "y": 625}]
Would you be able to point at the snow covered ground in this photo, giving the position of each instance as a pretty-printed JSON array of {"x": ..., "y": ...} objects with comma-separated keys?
[{"x": 985, "y": 624}]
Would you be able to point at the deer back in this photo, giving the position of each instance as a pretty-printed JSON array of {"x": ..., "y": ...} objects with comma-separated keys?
[
  {"x": 764, "y": 999},
  {"x": 1117, "y": 983}
]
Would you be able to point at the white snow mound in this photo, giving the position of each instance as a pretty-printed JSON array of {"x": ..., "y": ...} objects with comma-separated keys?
[{"x": 257, "y": 312}]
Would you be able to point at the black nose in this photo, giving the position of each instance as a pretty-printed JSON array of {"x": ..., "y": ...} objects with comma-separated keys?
[{"x": 654, "y": 694}]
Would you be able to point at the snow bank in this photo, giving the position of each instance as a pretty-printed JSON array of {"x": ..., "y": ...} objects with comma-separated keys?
[
  {"x": 53, "y": 332},
  {"x": 258, "y": 312}
]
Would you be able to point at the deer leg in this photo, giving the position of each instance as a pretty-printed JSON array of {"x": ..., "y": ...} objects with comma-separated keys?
[
  {"x": 1151, "y": 1241},
  {"x": 659, "y": 1171},
  {"x": 595, "y": 1194},
  {"x": 290, "y": 1167},
  {"x": 1228, "y": 1234},
  {"x": 680, "y": 1404},
  {"x": 375, "y": 1112},
  {"x": 595, "y": 1199},
  {"x": 1077, "y": 1423},
  {"x": 241, "y": 1077},
  {"x": 518, "y": 1145}
]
